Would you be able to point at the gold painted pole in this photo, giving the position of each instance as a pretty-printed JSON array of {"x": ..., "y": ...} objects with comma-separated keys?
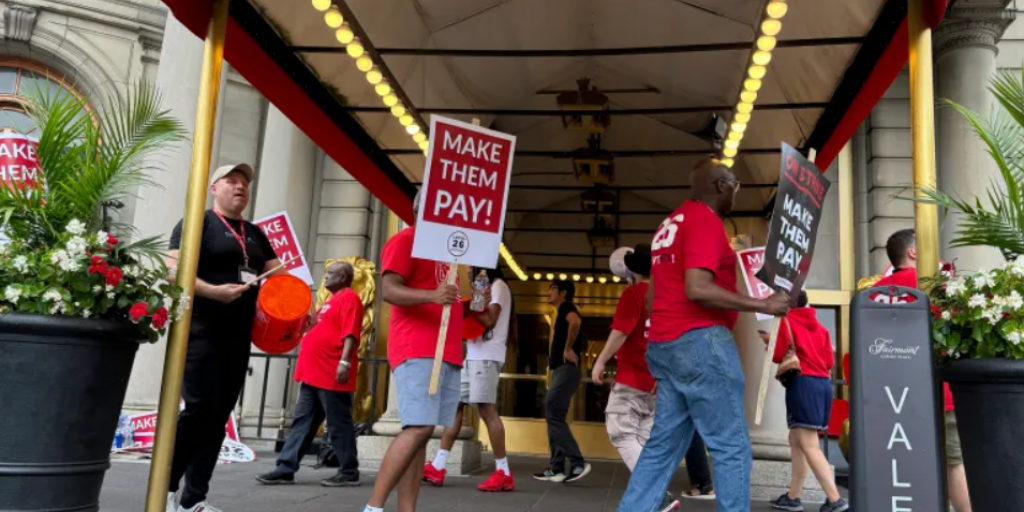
[
  {"x": 188, "y": 258},
  {"x": 847, "y": 248},
  {"x": 922, "y": 130}
]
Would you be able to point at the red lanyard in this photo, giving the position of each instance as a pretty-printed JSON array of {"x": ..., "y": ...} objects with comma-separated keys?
[{"x": 239, "y": 238}]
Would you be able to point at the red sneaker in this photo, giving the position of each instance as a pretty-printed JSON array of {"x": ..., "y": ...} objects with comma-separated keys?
[
  {"x": 498, "y": 482},
  {"x": 434, "y": 476}
]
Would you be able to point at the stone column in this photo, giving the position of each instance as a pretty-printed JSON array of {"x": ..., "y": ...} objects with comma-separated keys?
[
  {"x": 178, "y": 81},
  {"x": 965, "y": 54}
]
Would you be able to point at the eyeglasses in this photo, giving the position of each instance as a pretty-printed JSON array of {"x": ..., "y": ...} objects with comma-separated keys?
[{"x": 732, "y": 181}]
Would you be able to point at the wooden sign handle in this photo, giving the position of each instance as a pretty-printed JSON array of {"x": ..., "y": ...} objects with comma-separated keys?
[
  {"x": 762, "y": 391},
  {"x": 442, "y": 335}
]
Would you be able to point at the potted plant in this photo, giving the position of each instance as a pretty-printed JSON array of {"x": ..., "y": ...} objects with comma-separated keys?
[
  {"x": 979, "y": 319},
  {"x": 76, "y": 299}
]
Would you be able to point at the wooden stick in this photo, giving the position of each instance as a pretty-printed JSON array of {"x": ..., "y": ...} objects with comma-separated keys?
[
  {"x": 442, "y": 334},
  {"x": 762, "y": 391},
  {"x": 271, "y": 271}
]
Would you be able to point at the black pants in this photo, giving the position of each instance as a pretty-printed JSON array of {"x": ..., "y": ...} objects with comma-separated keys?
[
  {"x": 215, "y": 370},
  {"x": 564, "y": 381},
  {"x": 313, "y": 406},
  {"x": 697, "y": 463}
]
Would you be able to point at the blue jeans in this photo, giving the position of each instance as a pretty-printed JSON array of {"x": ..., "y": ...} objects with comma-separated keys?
[{"x": 700, "y": 386}]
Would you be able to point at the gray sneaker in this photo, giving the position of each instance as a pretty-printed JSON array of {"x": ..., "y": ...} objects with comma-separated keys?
[
  {"x": 550, "y": 475},
  {"x": 577, "y": 473},
  {"x": 839, "y": 505},
  {"x": 784, "y": 502}
]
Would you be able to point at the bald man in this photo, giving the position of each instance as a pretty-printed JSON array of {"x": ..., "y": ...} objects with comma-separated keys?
[
  {"x": 327, "y": 367},
  {"x": 691, "y": 352}
]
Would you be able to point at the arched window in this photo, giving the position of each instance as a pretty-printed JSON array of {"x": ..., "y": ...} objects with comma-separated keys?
[{"x": 19, "y": 79}]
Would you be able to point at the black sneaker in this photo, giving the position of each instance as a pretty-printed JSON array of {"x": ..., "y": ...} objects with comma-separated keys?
[
  {"x": 550, "y": 475},
  {"x": 784, "y": 502},
  {"x": 839, "y": 505},
  {"x": 276, "y": 478},
  {"x": 577, "y": 473},
  {"x": 340, "y": 480}
]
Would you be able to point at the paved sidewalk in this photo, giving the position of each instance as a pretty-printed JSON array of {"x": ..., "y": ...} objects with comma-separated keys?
[{"x": 234, "y": 490}]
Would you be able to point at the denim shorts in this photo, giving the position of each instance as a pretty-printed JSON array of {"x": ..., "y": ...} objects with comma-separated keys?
[
  {"x": 809, "y": 403},
  {"x": 416, "y": 406}
]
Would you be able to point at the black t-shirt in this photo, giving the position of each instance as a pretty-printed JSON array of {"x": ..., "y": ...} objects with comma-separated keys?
[
  {"x": 561, "y": 333},
  {"x": 220, "y": 257}
]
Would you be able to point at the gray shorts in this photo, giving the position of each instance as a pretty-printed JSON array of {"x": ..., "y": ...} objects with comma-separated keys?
[
  {"x": 416, "y": 406},
  {"x": 480, "y": 382}
]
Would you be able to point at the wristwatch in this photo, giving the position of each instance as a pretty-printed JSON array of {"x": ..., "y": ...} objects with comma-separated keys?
[{"x": 344, "y": 363}]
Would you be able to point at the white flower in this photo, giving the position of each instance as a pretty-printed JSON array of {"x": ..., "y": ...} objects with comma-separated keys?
[
  {"x": 12, "y": 293},
  {"x": 1017, "y": 268},
  {"x": 52, "y": 295},
  {"x": 65, "y": 261},
  {"x": 999, "y": 301},
  {"x": 955, "y": 287},
  {"x": 131, "y": 271},
  {"x": 110, "y": 295},
  {"x": 97, "y": 289},
  {"x": 76, "y": 227},
  {"x": 20, "y": 264},
  {"x": 182, "y": 309},
  {"x": 946, "y": 315},
  {"x": 76, "y": 245},
  {"x": 109, "y": 288},
  {"x": 168, "y": 302},
  {"x": 977, "y": 301},
  {"x": 86, "y": 313},
  {"x": 1015, "y": 337},
  {"x": 983, "y": 280},
  {"x": 102, "y": 237},
  {"x": 1015, "y": 301},
  {"x": 993, "y": 315}
]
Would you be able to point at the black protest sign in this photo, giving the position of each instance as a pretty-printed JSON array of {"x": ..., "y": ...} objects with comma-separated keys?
[{"x": 794, "y": 226}]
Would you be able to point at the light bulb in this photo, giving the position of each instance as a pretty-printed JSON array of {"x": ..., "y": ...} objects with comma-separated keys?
[
  {"x": 537, "y": 276},
  {"x": 726, "y": 162},
  {"x": 739, "y": 127},
  {"x": 406, "y": 120},
  {"x": 766, "y": 43},
  {"x": 744, "y": 108},
  {"x": 419, "y": 137},
  {"x": 364, "y": 63},
  {"x": 321, "y": 5},
  {"x": 398, "y": 111},
  {"x": 748, "y": 96},
  {"x": 777, "y": 9},
  {"x": 735, "y": 136},
  {"x": 616, "y": 279},
  {"x": 563, "y": 277},
  {"x": 383, "y": 89},
  {"x": 762, "y": 58},
  {"x": 355, "y": 49},
  {"x": 602, "y": 279},
  {"x": 752, "y": 85},
  {"x": 771, "y": 27},
  {"x": 333, "y": 18},
  {"x": 590, "y": 279},
  {"x": 424, "y": 146},
  {"x": 551, "y": 277},
  {"x": 344, "y": 35},
  {"x": 729, "y": 152},
  {"x": 575, "y": 277},
  {"x": 412, "y": 129},
  {"x": 390, "y": 100},
  {"x": 732, "y": 144},
  {"x": 757, "y": 72},
  {"x": 741, "y": 118},
  {"x": 374, "y": 76}
]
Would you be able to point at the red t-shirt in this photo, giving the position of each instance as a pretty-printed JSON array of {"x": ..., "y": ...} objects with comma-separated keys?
[
  {"x": 340, "y": 317},
  {"x": 813, "y": 343},
  {"x": 908, "y": 278},
  {"x": 413, "y": 329},
  {"x": 630, "y": 317},
  {"x": 692, "y": 237}
]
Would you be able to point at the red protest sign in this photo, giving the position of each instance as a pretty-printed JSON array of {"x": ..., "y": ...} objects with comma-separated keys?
[
  {"x": 751, "y": 261},
  {"x": 279, "y": 230},
  {"x": 465, "y": 190},
  {"x": 19, "y": 162}
]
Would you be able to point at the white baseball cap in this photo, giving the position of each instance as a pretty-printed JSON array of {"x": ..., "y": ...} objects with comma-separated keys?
[{"x": 223, "y": 171}]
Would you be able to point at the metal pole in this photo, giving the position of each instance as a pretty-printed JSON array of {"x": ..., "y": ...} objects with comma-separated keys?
[
  {"x": 188, "y": 260},
  {"x": 922, "y": 130}
]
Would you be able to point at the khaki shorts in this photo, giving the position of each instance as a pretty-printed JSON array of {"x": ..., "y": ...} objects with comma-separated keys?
[
  {"x": 954, "y": 455},
  {"x": 480, "y": 382}
]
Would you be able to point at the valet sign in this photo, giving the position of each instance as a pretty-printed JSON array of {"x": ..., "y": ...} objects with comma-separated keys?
[{"x": 465, "y": 190}]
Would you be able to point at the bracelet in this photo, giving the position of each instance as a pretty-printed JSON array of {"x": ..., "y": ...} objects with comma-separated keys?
[{"x": 344, "y": 363}]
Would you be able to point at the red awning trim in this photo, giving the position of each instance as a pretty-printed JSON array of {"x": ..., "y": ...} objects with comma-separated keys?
[{"x": 935, "y": 10}]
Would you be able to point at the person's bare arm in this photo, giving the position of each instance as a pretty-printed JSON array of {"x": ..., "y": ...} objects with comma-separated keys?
[
  {"x": 575, "y": 322},
  {"x": 395, "y": 292},
  {"x": 489, "y": 316},
  {"x": 701, "y": 289},
  {"x": 615, "y": 341},
  {"x": 344, "y": 364},
  {"x": 222, "y": 293}
]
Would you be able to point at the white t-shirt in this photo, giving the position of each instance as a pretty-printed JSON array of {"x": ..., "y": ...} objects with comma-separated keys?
[{"x": 493, "y": 349}]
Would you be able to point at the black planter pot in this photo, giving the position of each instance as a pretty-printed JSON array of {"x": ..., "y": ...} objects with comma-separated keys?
[
  {"x": 989, "y": 400},
  {"x": 62, "y": 383}
]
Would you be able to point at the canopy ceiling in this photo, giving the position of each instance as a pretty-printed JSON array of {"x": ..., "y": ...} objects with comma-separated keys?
[{"x": 499, "y": 61}]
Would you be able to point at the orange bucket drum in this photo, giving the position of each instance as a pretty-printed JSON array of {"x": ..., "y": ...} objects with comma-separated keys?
[{"x": 281, "y": 311}]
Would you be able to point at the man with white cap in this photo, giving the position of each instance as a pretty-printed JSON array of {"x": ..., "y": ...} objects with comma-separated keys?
[{"x": 232, "y": 253}]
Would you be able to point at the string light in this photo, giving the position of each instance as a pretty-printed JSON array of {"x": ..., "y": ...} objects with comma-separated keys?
[
  {"x": 732, "y": 144},
  {"x": 537, "y": 276},
  {"x": 355, "y": 49},
  {"x": 364, "y": 63},
  {"x": 738, "y": 127},
  {"x": 776, "y": 9},
  {"x": 766, "y": 43},
  {"x": 762, "y": 58},
  {"x": 344, "y": 35},
  {"x": 321, "y": 5},
  {"x": 744, "y": 108},
  {"x": 406, "y": 120},
  {"x": 425, "y": 145},
  {"x": 741, "y": 118},
  {"x": 419, "y": 137},
  {"x": 726, "y": 162},
  {"x": 398, "y": 111},
  {"x": 575, "y": 277},
  {"x": 383, "y": 89},
  {"x": 616, "y": 279},
  {"x": 602, "y": 279},
  {"x": 748, "y": 96},
  {"x": 757, "y": 72},
  {"x": 333, "y": 18},
  {"x": 590, "y": 279},
  {"x": 752, "y": 85},
  {"x": 729, "y": 152},
  {"x": 512, "y": 264},
  {"x": 735, "y": 136},
  {"x": 390, "y": 100},
  {"x": 771, "y": 27},
  {"x": 412, "y": 129},
  {"x": 551, "y": 277},
  {"x": 374, "y": 76}
]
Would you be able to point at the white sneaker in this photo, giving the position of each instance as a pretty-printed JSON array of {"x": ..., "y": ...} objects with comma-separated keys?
[
  {"x": 202, "y": 506},
  {"x": 171, "y": 505}
]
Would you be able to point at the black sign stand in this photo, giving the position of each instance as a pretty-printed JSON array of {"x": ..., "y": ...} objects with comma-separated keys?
[{"x": 896, "y": 434}]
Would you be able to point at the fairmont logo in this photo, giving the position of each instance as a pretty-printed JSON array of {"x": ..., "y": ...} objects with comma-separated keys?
[{"x": 883, "y": 348}]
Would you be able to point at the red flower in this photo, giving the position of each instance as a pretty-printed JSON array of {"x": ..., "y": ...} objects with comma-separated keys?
[
  {"x": 160, "y": 318},
  {"x": 138, "y": 312},
  {"x": 936, "y": 312},
  {"x": 98, "y": 265},
  {"x": 111, "y": 241},
  {"x": 113, "y": 276},
  {"x": 950, "y": 268}
]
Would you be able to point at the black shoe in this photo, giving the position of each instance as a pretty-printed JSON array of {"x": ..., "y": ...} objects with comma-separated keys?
[
  {"x": 577, "y": 473},
  {"x": 276, "y": 478},
  {"x": 839, "y": 505},
  {"x": 340, "y": 480},
  {"x": 784, "y": 502},
  {"x": 550, "y": 475}
]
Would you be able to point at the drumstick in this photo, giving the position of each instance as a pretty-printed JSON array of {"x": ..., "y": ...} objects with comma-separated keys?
[
  {"x": 762, "y": 391},
  {"x": 271, "y": 271},
  {"x": 442, "y": 335}
]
